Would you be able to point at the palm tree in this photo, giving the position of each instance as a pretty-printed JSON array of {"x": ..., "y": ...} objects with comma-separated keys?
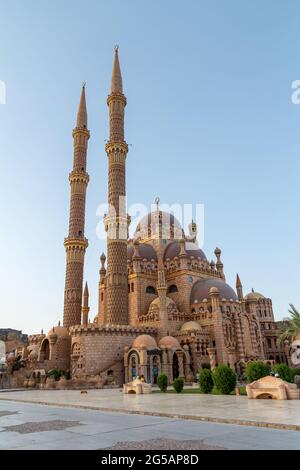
[{"x": 290, "y": 327}]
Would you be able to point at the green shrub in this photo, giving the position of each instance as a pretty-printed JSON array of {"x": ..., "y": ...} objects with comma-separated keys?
[
  {"x": 243, "y": 390},
  {"x": 56, "y": 374},
  {"x": 162, "y": 382},
  {"x": 205, "y": 380},
  {"x": 284, "y": 372},
  {"x": 224, "y": 379},
  {"x": 178, "y": 385},
  {"x": 256, "y": 370}
]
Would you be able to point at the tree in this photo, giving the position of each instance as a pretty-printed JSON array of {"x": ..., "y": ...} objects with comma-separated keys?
[{"x": 290, "y": 327}]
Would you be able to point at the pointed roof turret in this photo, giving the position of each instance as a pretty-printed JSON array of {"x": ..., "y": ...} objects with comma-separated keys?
[
  {"x": 82, "y": 112},
  {"x": 116, "y": 85},
  {"x": 86, "y": 296},
  {"x": 86, "y": 290},
  {"x": 238, "y": 281},
  {"x": 239, "y": 288}
]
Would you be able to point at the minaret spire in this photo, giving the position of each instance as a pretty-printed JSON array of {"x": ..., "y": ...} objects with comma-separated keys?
[
  {"x": 116, "y": 222},
  {"x": 116, "y": 85},
  {"x": 76, "y": 244},
  {"x": 82, "y": 112}
]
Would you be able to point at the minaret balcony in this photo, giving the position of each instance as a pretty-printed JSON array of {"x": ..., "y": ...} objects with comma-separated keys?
[{"x": 76, "y": 243}]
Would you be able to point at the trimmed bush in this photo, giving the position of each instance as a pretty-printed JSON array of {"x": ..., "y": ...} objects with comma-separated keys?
[
  {"x": 178, "y": 385},
  {"x": 256, "y": 370},
  {"x": 205, "y": 380},
  {"x": 284, "y": 372},
  {"x": 56, "y": 374},
  {"x": 224, "y": 379},
  {"x": 162, "y": 382}
]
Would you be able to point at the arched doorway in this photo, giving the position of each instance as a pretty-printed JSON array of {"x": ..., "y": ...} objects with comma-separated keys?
[
  {"x": 45, "y": 350},
  {"x": 155, "y": 369},
  {"x": 133, "y": 366},
  {"x": 266, "y": 396},
  {"x": 175, "y": 366}
]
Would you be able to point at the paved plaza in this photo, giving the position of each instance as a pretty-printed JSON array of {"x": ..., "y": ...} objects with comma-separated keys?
[
  {"x": 282, "y": 414},
  {"x": 32, "y": 426}
]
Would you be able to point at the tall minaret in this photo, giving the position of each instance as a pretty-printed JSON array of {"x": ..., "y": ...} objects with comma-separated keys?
[
  {"x": 76, "y": 243},
  {"x": 116, "y": 220}
]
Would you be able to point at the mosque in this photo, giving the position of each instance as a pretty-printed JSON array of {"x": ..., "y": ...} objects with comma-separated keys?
[{"x": 163, "y": 306}]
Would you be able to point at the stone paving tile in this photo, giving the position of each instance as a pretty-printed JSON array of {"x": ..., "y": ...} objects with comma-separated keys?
[
  {"x": 220, "y": 408},
  {"x": 165, "y": 444},
  {"x": 246, "y": 441},
  {"x": 32, "y": 426},
  {"x": 96, "y": 430},
  {"x": 120, "y": 426},
  {"x": 14, "y": 440},
  {"x": 73, "y": 443}
]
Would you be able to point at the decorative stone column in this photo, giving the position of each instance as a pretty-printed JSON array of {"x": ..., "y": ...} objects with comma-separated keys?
[
  {"x": 212, "y": 357},
  {"x": 231, "y": 352},
  {"x": 180, "y": 364}
]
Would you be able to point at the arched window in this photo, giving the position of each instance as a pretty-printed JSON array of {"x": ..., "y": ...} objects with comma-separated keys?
[
  {"x": 76, "y": 349},
  {"x": 150, "y": 290},
  {"x": 172, "y": 288}
]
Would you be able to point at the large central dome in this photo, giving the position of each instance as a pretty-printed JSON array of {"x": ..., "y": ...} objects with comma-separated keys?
[{"x": 159, "y": 225}]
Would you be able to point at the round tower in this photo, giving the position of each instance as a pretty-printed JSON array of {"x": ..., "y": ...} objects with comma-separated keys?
[
  {"x": 76, "y": 244},
  {"x": 116, "y": 221}
]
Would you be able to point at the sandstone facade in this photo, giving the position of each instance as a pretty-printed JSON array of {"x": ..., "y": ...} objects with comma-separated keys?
[{"x": 163, "y": 306}]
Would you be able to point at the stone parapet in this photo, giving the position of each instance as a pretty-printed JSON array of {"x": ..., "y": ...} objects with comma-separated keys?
[{"x": 95, "y": 329}]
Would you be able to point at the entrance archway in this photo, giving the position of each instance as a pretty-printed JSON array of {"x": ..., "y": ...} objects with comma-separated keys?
[
  {"x": 265, "y": 396},
  {"x": 175, "y": 366},
  {"x": 45, "y": 350},
  {"x": 155, "y": 369}
]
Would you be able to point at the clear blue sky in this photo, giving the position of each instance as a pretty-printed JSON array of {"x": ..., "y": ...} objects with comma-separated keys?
[{"x": 209, "y": 117}]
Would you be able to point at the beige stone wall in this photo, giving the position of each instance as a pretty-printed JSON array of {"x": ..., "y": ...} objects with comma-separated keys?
[{"x": 101, "y": 347}]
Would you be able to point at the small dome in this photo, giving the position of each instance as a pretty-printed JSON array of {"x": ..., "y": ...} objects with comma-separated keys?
[
  {"x": 146, "y": 252},
  {"x": 192, "y": 249},
  {"x": 254, "y": 296},
  {"x": 201, "y": 290},
  {"x": 190, "y": 326},
  {"x": 59, "y": 331},
  {"x": 214, "y": 290},
  {"x": 169, "y": 342},
  {"x": 144, "y": 341}
]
